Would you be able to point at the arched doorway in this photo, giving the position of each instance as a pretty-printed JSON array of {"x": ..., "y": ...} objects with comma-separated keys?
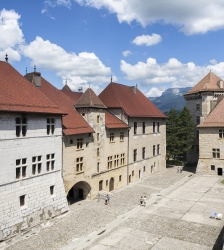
[
  {"x": 111, "y": 184},
  {"x": 79, "y": 191}
]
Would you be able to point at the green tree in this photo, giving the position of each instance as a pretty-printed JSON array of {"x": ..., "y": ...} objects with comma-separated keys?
[
  {"x": 186, "y": 132},
  {"x": 172, "y": 134}
]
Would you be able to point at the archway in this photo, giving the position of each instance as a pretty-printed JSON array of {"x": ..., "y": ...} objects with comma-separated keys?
[
  {"x": 111, "y": 185},
  {"x": 79, "y": 191}
]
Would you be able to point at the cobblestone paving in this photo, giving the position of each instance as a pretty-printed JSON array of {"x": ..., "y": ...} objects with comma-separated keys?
[{"x": 85, "y": 217}]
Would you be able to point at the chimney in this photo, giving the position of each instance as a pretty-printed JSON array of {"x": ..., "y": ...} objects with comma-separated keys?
[
  {"x": 37, "y": 79},
  {"x": 133, "y": 89}
]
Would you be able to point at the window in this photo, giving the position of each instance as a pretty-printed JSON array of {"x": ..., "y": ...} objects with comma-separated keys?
[
  {"x": 50, "y": 125},
  {"x": 71, "y": 141},
  {"x": 143, "y": 128},
  {"x": 198, "y": 107},
  {"x": 109, "y": 162},
  {"x": 153, "y": 127},
  {"x": 158, "y": 127},
  {"x": 50, "y": 158},
  {"x": 98, "y": 119},
  {"x": 22, "y": 200},
  {"x": 98, "y": 152},
  {"x": 111, "y": 137},
  {"x": 135, "y": 155},
  {"x": 158, "y": 149},
  {"x": 106, "y": 182},
  {"x": 143, "y": 153},
  {"x": 79, "y": 164},
  {"x": 98, "y": 136},
  {"x": 100, "y": 185},
  {"x": 21, "y": 126},
  {"x": 122, "y": 159},
  {"x": 221, "y": 133},
  {"x": 216, "y": 153},
  {"x": 116, "y": 160},
  {"x": 144, "y": 169},
  {"x": 197, "y": 120},
  {"x": 21, "y": 168},
  {"x": 52, "y": 190},
  {"x": 36, "y": 164},
  {"x": 154, "y": 150},
  {"x": 212, "y": 167},
  {"x": 98, "y": 167},
  {"x": 121, "y": 136},
  {"x": 133, "y": 173},
  {"x": 79, "y": 143},
  {"x": 135, "y": 128},
  {"x": 119, "y": 177}
]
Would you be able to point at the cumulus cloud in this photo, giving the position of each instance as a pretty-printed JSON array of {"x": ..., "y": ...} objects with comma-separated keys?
[
  {"x": 175, "y": 72},
  {"x": 126, "y": 53},
  {"x": 83, "y": 68},
  {"x": 154, "y": 92},
  {"x": 213, "y": 61},
  {"x": 147, "y": 40},
  {"x": 11, "y": 35},
  {"x": 198, "y": 17}
]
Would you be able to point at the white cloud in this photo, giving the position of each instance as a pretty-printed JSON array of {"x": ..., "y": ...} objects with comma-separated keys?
[
  {"x": 147, "y": 40},
  {"x": 154, "y": 92},
  {"x": 213, "y": 61},
  {"x": 126, "y": 53},
  {"x": 175, "y": 72},
  {"x": 11, "y": 35},
  {"x": 43, "y": 11},
  {"x": 83, "y": 68},
  {"x": 54, "y": 3},
  {"x": 191, "y": 18}
]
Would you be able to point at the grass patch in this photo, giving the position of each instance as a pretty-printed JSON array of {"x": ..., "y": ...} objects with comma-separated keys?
[{"x": 222, "y": 181}]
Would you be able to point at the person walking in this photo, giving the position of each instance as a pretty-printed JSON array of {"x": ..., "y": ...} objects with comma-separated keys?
[
  {"x": 108, "y": 199},
  {"x": 141, "y": 200},
  {"x": 144, "y": 200}
]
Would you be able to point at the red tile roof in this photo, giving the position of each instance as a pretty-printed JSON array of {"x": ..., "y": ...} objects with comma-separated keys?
[
  {"x": 73, "y": 122},
  {"x": 112, "y": 121},
  {"x": 135, "y": 105},
  {"x": 208, "y": 83},
  {"x": 89, "y": 99},
  {"x": 18, "y": 95},
  {"x": 74, "y": 96},
  {"x": 216, "y": 117}
]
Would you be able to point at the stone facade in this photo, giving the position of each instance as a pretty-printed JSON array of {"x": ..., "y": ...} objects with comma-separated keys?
[{"x": 31, "y": 189}]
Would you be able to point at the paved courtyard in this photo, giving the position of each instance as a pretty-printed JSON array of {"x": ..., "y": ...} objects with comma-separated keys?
[{"x": 177, "y": 216}]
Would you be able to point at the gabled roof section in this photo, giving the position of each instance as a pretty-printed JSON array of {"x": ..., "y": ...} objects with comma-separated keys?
[
  {"x": 19, "y": 95},
  {"x": 73, "y": 122},
  {"x": 208, "y": 83},
  {"x": 89, "y": 100},
  {"x": 112, "y": 121},
  {"x": 130, "y": 99},
  {"x": 74, "y": 96},
  {"x": 216, "y": 117},
  {"x": 66, "y": 88}
]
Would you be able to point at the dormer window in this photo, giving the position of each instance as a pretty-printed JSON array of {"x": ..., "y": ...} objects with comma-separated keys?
[
  {"x": 21, "y": 126},
  {"x": 50, "y": 125}
]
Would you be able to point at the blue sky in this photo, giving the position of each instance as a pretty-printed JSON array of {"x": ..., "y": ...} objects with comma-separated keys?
[{"x": 155, "y": 44}]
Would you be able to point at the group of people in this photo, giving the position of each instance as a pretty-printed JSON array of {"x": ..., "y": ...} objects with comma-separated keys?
[
  {"x": 143, "y": 201},
  {"x": 107, "y": 199},
  {"x": 179, "y": 170}
]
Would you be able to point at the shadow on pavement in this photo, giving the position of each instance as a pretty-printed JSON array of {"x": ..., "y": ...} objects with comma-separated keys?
[
  {"x": 191, "y": 169},
  {"x": 219, "y": 242}
]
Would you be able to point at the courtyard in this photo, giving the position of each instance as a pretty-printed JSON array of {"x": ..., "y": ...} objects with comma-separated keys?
[{"x": 177, "y": 216}]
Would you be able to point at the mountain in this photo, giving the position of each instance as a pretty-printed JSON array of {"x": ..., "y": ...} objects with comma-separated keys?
[{"x": 170, "y": 98}]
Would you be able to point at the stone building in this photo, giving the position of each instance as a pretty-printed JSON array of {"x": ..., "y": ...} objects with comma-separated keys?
[
  {"x": 201, "y": 100},
  {"x": 31, "y": 184}
]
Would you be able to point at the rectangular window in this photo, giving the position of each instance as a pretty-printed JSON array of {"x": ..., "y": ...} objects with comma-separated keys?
[
  {"x": 216, "y": 153},
  {"x": 109, "y": 162},
  {"x": 158, "y": 149},
  {"x": 79, "y": 164},
  {"x": 36, "y": 164},
  {"x": 135, "y": 155},
  {"x": 154, "y": 150},
  {"x": 133, "y": 173},
  {"x": 153, "y": 127},
  {"x": 116, "y": 160},
  {"x": 144, "y": 169},
  {"x": 122, "y": 159},
  {"x": 197, "y": 120},
  {"x": 50, "y": 125},
  {"x": 135, "y": 128},
  {"x": 119, "y": 177},
  {"x": 111, "y": 137},
  {"x": 143, "y": 128},
  {"x": 98, "y": 167},
  {"x": 98, "y": 152},
  {"x": 121, "y": 136},
  {"x": 158, "y": 127},
  {"x": 197, "y": 107},
  {"x": 21, "y": 126},
  {"x": 212, "y": 167},
  {"x": 22, "y": 200},
  {"x": 98, "y": 137},
  {"x": 98, "y": 119},
  {"x": 52, "y": 190},
  {"x": 50, "y": 158},
  {"x": 106, "y": 182},
  {"x": 79, "y": 143},
  {"x": 21, "y": 167},
  {"x": 143, "y": 153},
  {"x": 100, "y": 185},
  {"x": 221, "y": 133},
  {"x": 71, "y": 141}
]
